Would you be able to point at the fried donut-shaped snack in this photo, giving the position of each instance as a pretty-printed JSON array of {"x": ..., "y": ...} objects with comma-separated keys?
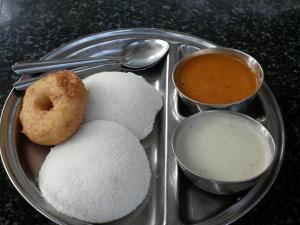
[{"x": 53, "y": 108}]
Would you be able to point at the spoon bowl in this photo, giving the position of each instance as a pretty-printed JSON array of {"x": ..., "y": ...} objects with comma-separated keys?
[{"x": 144, "y": 53}]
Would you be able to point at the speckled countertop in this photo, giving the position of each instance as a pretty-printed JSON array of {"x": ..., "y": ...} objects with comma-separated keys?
[{"x": 268, "y": 30}]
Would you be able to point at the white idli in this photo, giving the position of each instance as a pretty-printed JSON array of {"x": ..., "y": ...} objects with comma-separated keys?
[
  {"x": 124, "y": 98},
  {"x": 100, "y": 174}
]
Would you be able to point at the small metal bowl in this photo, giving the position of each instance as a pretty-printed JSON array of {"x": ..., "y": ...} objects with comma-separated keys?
[
  {"x": 196, "y": 106},
  {"x": 217, "y": 186}
]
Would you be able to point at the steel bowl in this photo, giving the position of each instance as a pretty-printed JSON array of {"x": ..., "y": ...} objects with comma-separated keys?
[
  {"x": 196, "y": 106},
  {"x": 217, "y": 186}
]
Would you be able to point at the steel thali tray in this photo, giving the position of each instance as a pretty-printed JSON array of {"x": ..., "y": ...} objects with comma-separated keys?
[{"x": 172, "y": 199}]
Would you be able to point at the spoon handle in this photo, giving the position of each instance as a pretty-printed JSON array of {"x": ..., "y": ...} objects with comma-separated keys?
[
  {"x": 31, "y": 67},
  {"x": 21, "y": 85}
]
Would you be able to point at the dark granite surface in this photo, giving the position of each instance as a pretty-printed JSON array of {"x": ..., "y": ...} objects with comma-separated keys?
[{"x": 268, "y": 30}]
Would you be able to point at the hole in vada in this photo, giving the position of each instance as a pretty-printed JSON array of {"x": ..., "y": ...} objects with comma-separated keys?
[{"x": 44, "y": 103}]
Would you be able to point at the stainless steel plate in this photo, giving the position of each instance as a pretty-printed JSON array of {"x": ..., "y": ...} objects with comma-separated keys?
[{"x": 172, "y": 199}]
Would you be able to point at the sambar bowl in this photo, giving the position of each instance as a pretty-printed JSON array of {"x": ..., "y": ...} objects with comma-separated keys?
[{"x": 194, "y": 105}]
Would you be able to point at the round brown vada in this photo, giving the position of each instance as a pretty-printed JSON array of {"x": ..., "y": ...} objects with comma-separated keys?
[{"x": 53, "y": 108}]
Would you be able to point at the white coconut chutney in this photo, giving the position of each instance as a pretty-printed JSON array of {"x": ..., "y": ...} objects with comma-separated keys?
[
  {"x": 223, "y": 148},
  {"x": 100, "y": 174},
  {"x": 124, "y": 98}
]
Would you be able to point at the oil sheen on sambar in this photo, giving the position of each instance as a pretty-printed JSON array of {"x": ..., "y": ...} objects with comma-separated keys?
[{"x": 216, "y": 79}]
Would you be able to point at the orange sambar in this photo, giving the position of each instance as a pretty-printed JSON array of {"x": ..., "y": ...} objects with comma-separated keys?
[{"x": 216, "y": 79}]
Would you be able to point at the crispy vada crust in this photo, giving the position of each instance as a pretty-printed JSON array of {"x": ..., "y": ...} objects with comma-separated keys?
[{"x": 53, "y": 108}]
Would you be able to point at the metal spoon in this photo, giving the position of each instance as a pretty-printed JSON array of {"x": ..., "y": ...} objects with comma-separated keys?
[{"x": 140, "y": 54}]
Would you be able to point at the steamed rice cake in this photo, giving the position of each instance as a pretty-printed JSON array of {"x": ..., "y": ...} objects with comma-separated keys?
[
  {"x": 100, "y": 174},
  {"x": 124, "y": 98}
]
